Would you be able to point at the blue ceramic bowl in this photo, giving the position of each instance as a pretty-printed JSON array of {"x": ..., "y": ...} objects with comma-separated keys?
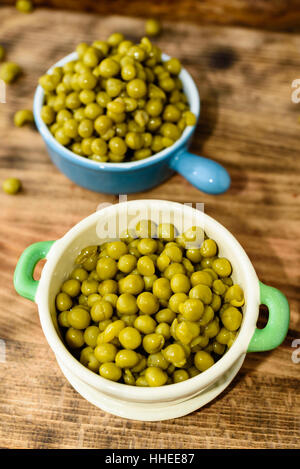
[{"x": 125, "y": 178}]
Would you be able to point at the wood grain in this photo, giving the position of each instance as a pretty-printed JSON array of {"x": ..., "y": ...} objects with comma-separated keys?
[
  {"x": 249, "y": 124},
  {"x": 281, "y": 15}
]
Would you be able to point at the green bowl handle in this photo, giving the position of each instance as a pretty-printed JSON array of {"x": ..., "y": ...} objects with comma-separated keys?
[
  {"x": 277, "y": 326},
  {"x": 24, "y": 283}
]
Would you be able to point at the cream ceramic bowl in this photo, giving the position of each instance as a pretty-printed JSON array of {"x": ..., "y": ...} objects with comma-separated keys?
[{"x": 173, "y": 400}]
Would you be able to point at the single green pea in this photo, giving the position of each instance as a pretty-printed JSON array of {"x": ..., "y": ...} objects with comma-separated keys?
[
  {"x": 173, "y": 252},
  {"x": 190, "y": 118},
  {"x": 152, "y": 27},
  {"x": 203, "y": 360},
  {"x": 11, "y": 186},
  {"x": 105, "y": 352},
  {"x": 162, "y": 289},
  {"x": 87, "y": 96},
  {"x": 88, "y": 287},
  {"x": 145, "y": 324},
  {"x": 153, "y": 343},
  {"x": 79, "y": 318},
  {"x": 24, "y": 6},
  {"x": 166, "y": 231},
  {"x": 180, "y": 283},
  {"x": 106, "y": 268},
  {"x": 126, "y": 263},
  {"x": 147, "y": 303},
  {"x": 22, "y": 117},
  {"x": 63, "y": 319},
  {"x": 173, "y": 66},
  {"x": 110, "y": 371},
  {"x": 127, "y": 358},
  {"x": 63, "y": 302},
  {"x": 222, "y": 267},
  {"x": 180, "y": 375},
  {"x": 108, "y": 68},
  {"x": 130, "y": 338},
  {"x": 165, "y": 316},
  {"x": 155, "y": 376},
  {"x": 192, "y": 309},
  {"x": 101, "y": 310},
  {"x": 208, "y": 248},
  {"x": 9, "y": 72},
  {"x": 145, "y": 266},
  {"x": 117, "y": 146},
  {"x": 175, "y": 355},
  {"x": 235, "y": 296},
  {"x": 127, "y": 304},
  {"x": 201, "y": 292},
  {"x": 232, "y": 318},
  {"x": 133, "y": 284},
  {"x": 72, "y": 287},
  {"x": 74, "y": 338},
  {"x": 201, "y": 277},
  {"x": 136, "y": 88}
]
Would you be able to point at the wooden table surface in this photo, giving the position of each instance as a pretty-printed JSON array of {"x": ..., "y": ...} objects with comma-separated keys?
[{"x": 249, "y": 124}]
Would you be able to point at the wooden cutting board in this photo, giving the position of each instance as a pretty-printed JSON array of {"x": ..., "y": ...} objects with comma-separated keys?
[{"x": 249, "y": 124}]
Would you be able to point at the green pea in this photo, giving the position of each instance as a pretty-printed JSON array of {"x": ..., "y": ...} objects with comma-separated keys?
[
  {"x": 127, "y": 304},
  {"x": 208, "y": 248},
  {"x": 23, "y": 117},
  {"x": 136, "y": 88},
  {"x": 11, "y": 186},
  {"x": 222, "y": 267},
  {"x": 152, "y": 27},
  {"x": 9, "y": 72},
  {"x": 71, "y": 287},
  {"x": 24, "y": 6},
  {"x": 203, "y": 360},
  {"x": 147, "y": 303},
  {"x": 175, "y": 355},
  {"x": 79, "y": 318},
  {"x": 108, "y": 68},
  {"x": 145, "y": 324},
  {"x": 101, "y": 310},
  {"x": 231, "y": 318},
  {"x": 110, "y": 371},
  {"x": 127, "y": 358},
  {"x": 130, "y": 338},
  {"x": 180, "y": 375},
  {"x": 153, "y": 343},
  {"x": 155, "y": 376},
  {"x": 74, "y": 338}
]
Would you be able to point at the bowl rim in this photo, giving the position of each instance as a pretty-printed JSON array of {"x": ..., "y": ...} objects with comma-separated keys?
[
  {"x": 140, "y": 394},
  {"x": 194, "y": 102}
]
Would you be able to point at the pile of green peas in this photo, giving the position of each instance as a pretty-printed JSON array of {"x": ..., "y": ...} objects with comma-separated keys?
[
  {"x": 151, "y": 308},
  {"x": 117, "y": 102}
]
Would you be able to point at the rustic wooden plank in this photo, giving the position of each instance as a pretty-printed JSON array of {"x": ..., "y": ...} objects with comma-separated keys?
[
  {"x": 249, "y": 124},
  {"x": 279, "y": 15}
]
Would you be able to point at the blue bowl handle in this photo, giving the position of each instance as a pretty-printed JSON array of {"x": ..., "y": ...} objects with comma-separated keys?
[{"x": 206, "y": 175}]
